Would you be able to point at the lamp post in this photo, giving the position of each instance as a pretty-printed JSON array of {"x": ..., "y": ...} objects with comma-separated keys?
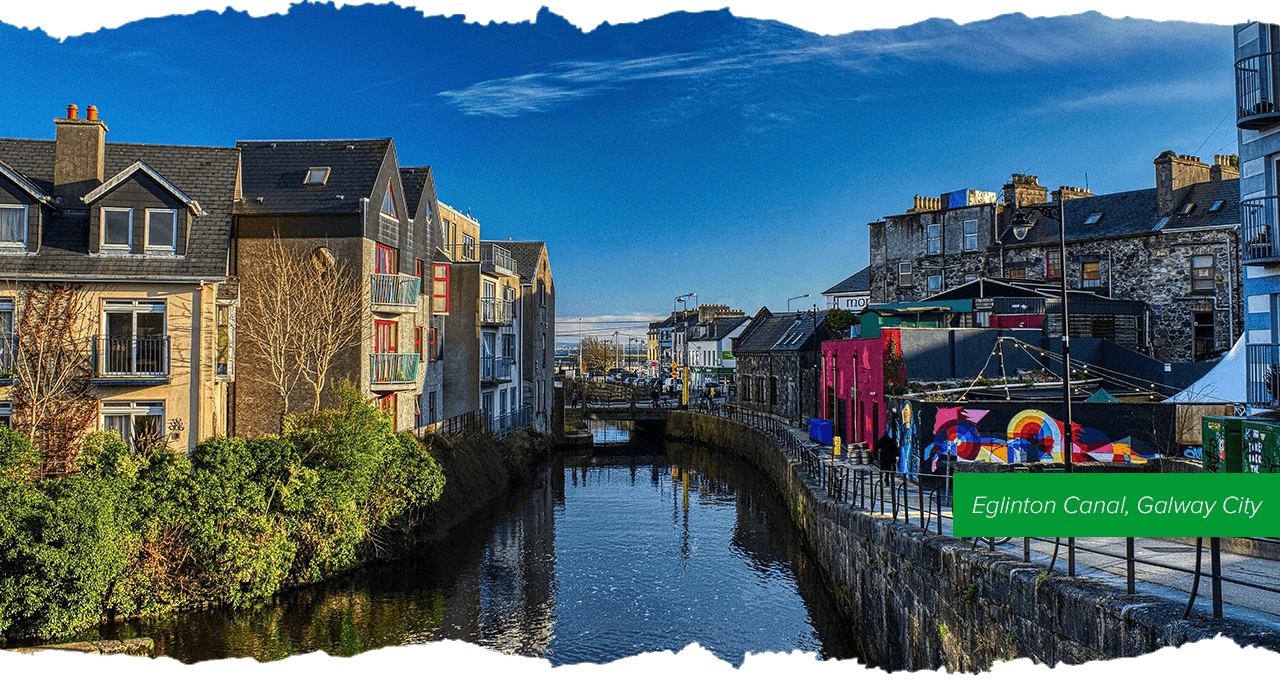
[
  {"x": 795, "y": 298},
  {"x": 616, "y": 353},
  {"x": 1021, "y": 222}
]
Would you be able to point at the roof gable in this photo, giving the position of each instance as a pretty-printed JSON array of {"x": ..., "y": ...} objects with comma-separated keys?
[
  {"x": 26, "y": 185},
  {"x": 138, "y": 166},
  {"x": 273, "y": 174},
  {"x": 858, "y": 283}
]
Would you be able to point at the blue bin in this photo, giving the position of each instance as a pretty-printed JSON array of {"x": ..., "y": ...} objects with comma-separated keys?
[{"x": 820, "y": 430}]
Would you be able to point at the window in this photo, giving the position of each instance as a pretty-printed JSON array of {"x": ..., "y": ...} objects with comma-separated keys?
[
  {"x": 1053, "y": 264},
  {"x": 1093, "y": 219},
  {"x": 439, "y": 288},
  {"x": 746, "y": 389},
  {"x": 385, "y": 260},
  {"x": 433, "y": 350},
  {"x": 117, "y": 227},
  {"x": 970, "y": 234},
  {"x": 1090, "y": 274},
  {"x": 1202, "y": 272},
  {"x": 417, "y": 341},
  {"x": 134, "y": 340},
  {"x": 420, "y": 271},
  {"x": 468, "y": 246},
  {"x": 1017, "y": 273},
  {"x": 316, "y": 176},
  {"x": 162, "y": 229},
  {"x": 933, "y": 238},
  {"x": 389, "y": 203},
  {"x": 488, "y": 347},
  {"x": 13, "y": 226},
  {"x": 935, "y": 283},
  {"x": 6, "y": 414},
  {"x": 1217, "y": 205},
  {"x": 134, "y": 420},
  {"x": 225, "y": 349},
  {"x": 7, "y": 338},
  {"x": 1186, "y": 210},
  {"x": 388, "y": 404},
  {"x": 431, "y": 407},
  {"x": 904, "y": 274},
  {"x": 384, "y": 336},
  {"x": 508, "y": 345},
  {"x": 970, "y": 278}
]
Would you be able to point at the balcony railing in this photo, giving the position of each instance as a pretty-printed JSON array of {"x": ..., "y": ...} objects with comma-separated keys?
[
  {"x": 495, "y": 311},
  {"x": 1258, "y": 227},
  {"x": 400, "y": 290},
  {"x": 1256, "y": 92},
  {"x": 495, "y": 368},
  {"x": 391, "y": 367},
  {"x": 130, "y": 356},
  {"x": 501, "y": 425},
  {"x": 495, "y": 258},
  {"x": 1262, "y": 377}
]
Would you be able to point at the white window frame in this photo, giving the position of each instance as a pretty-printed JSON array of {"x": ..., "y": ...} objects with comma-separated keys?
[
  {"x": 1204, "y": 283},
  {"x": 26, "y": 226},
  {"x": 147, "y": 231},
  {"x": 131, "y": 409},
  {"x": 102, "y": 229},
  {"x": 933, "y": 244},
  {"x": 910, "y": 280}
]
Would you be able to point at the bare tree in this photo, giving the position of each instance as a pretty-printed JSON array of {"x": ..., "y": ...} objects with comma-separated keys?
[
  {"x": 333, "y": 318},
  {"x": 300, "y": 310},
  {"x": 52, "y": 402},
  {"x": 597, "y": 355}
]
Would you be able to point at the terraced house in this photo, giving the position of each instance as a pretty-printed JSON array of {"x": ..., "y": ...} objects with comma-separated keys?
[
  {"x": 114, "y": 258},
  {"x": 348, "y": 201}
]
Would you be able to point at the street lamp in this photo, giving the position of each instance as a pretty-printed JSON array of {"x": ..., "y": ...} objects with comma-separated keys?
[
  {"x": 616, "y": 353},
  {"x": 1020, "y": 224},
  {"x": 795, "y": 298}
]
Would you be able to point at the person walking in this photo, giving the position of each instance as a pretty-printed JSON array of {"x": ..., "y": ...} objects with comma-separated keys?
[{"x": 886, "y": 452}]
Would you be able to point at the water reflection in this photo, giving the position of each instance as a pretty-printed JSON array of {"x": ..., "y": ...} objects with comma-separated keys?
[{"x": 605, "y": 558}]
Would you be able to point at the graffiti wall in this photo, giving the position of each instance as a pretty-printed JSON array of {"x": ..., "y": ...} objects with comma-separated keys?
[{"x": 932, "y": 433}]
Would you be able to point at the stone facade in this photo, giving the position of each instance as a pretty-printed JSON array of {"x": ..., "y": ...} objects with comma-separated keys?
[{"x": 1138, "y": 245}]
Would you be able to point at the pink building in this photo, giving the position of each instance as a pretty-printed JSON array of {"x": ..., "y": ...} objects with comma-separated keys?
[{"x": 853, "y": 387}]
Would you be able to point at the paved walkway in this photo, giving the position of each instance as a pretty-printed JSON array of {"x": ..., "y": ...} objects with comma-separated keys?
[{"x": 1241, "y": 603}]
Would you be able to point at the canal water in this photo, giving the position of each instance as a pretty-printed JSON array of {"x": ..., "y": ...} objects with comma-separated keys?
[{"x": 647, "y": 548}]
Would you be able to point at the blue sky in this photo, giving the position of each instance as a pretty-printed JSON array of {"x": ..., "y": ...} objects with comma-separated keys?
[{"x": 737, "y": 159}]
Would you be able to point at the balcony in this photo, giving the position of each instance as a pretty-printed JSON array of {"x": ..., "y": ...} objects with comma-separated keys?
[
  {"x": 1255, "y": 92},
  {"x": 495, "y": 369},
  {"x": 496, "y": 260},
  {"x": 1262, "y": 375},
  {"x": 394, "y": 292},
  {"x": 495, "y": 311},
  {"x": 392, "y": 370},
  {"x": 130, "y": 360},
  {"x": 1257, "y": 227}
]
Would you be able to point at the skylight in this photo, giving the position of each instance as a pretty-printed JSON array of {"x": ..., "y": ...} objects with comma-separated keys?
[
  {"x": 316, "y": 176},
  {"x": 1163, "y": 221},
  {"x": 1217, "y": 205},
  {"x": 1189, "y": 207},
  {"x": 1093, "y": 219}
]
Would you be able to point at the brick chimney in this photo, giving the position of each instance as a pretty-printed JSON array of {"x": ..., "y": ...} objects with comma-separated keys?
[
  {"x": 1174, "y": 172},
  {"x": 925, "y": 204},
  {"x": 1024, "y": 190},
  {"x": 1224, "y": 167},
  {"x": 78, "y": 155}
]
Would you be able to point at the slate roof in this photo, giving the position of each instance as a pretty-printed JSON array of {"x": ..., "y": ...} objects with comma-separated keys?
[
  {"x": 858, "y": 283},
  {"x": 781, "y": 331},
  {"x": 1129, "y": 213},
  {"x": 526, "y": 254},
  {"x": 274, "y": 171},
  {"x": 414, "y": 180},
  {"x": 716, "y": 330},
  {"x": 206, "y": 174}
]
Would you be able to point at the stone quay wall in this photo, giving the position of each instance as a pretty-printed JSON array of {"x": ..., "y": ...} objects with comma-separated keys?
[{"x": 921, "y": 601}]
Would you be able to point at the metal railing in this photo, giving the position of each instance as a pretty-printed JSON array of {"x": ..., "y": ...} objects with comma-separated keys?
[
  {"x": 1262, "y": 374},
  {"x": 509, "y": 423},
  {"x": 499, "y": 426},
  {"x": 1257, "y": 226},
  {"x": 1255, "y": 91},
  {"x": 130, "y": 356},
  {"x": 400, "y": 290},
  {"x": 494, "y": 310},
  {"x": 393, "y": 367},
  {"x": 496, "y": 258},
  {"x": 890, "y": 495}
]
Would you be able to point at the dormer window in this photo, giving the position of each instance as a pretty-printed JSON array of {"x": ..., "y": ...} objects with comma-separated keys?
[
  {"x": 316, "y": 176},
  {"x": 13, "y": 226},
  {"x": 162, "y": 229},
  {"x": 1217, "y": 205},
  {"x": 1093, "y": 219},
  {"x": 117, "y": 228},
  {"x": 389, "y": 203}
]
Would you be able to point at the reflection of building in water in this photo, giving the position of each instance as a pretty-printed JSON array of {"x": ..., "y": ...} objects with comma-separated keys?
[
  {"x": 610, "y": 431},
  {"x": 508, "y": 603}
]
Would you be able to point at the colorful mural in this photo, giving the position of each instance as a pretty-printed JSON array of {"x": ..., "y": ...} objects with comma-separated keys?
[{"x": 1029, "y": 436}]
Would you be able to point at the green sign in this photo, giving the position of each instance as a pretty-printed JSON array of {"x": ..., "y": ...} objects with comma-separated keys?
[
  {"x": 1138, "y": 504},
  {"x": 726, "y": 355}
]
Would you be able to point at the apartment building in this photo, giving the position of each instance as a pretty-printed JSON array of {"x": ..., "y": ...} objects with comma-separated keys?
[{"x": 348, "y": 201}]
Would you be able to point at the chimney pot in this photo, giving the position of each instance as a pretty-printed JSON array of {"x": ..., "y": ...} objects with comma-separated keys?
[
  {"x": 91, "y": 113},
  {"x": 72, "y": 111}
]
